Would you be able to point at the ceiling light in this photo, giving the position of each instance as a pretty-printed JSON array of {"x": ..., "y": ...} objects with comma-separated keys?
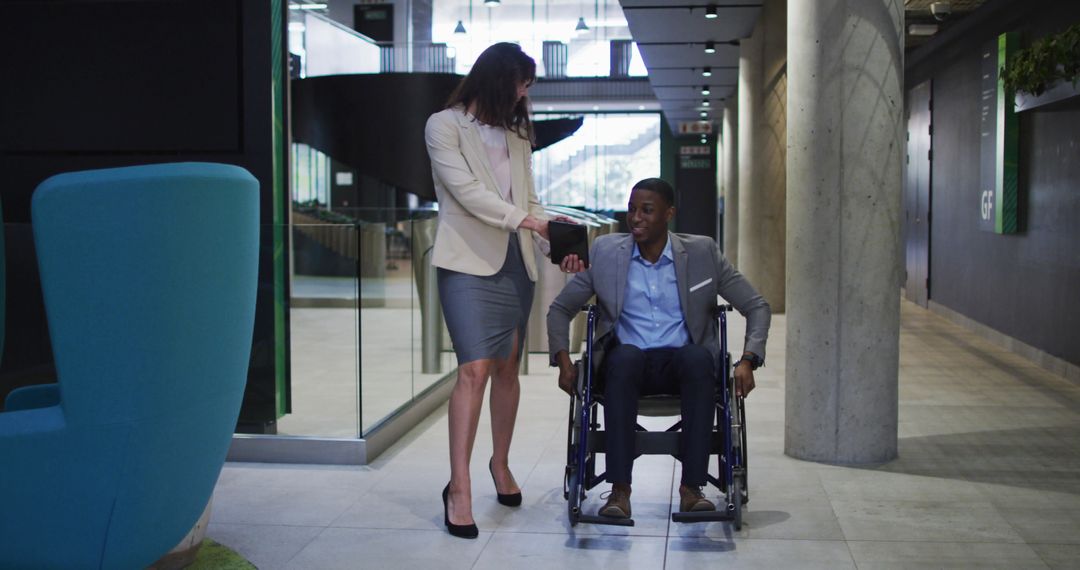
[
  {"x": 705, "y": 91},
  {"x": 596, "y": 107},
  {"x": 460, "y": 29},
  {"x": 704, "y": 114},
  {"x": 710, "y": 12},
  {"x": 310, "y": 6},
  {"x": 710, "y": 47},
  {"x": 492, "y": 3},
  {"x": 705, "y": 103},
  {"x": 922, "y": 29},
  {"x": 707, "y": 72},
  {"x": 641, "y": 107},
  {"x": 581, "y": 25}
]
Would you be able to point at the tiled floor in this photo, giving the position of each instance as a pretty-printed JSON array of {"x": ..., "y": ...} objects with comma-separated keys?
[{"x": 988, "y": 477}]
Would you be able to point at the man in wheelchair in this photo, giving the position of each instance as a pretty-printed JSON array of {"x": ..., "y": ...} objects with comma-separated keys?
[{"x": 657, "y": 298}]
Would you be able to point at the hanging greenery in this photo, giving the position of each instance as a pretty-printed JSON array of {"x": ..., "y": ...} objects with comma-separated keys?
[{"x": 1049, "y": 59}]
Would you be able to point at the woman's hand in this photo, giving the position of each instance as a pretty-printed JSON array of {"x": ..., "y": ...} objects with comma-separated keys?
[{"x": 535, "y": 224}]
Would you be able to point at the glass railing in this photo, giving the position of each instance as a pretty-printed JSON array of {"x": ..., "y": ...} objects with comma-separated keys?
[
  {"x": 326, "y": 47},
  {"x": 359, "y": 312}
]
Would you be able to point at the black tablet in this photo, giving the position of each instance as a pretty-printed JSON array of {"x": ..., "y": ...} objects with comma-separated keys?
[{"x": 567, "y": 238}]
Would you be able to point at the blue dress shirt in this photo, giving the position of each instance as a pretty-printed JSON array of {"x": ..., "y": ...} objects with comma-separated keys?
[{"x": 651, "y": 315}]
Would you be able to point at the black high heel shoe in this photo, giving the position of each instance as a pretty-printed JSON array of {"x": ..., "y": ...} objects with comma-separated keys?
[
  {"x": 458, "y": 530},
  {"x": 510, "y": 499}
]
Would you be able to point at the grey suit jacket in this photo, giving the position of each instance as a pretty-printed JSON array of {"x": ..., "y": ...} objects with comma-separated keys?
[{"x": 702, "y": 273}]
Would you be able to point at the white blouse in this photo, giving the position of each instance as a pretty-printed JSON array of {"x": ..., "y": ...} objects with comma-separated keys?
[{"x": 494, "y": 139}]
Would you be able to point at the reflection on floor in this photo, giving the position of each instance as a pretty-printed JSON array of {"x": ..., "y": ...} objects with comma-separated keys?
[{"x": 988, "y": 476}]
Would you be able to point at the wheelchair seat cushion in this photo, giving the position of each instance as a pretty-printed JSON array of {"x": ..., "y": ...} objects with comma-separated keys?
[{"x": 655, "y": 405}]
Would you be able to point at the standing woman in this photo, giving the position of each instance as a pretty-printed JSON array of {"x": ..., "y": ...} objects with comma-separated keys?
[{"x": 481, "y": 160}]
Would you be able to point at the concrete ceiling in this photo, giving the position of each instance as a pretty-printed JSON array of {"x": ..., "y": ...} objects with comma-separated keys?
[{"x": 672, "y": 37}]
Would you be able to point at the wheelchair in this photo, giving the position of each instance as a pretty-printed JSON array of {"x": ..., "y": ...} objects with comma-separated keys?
[{"x": 585, "y": 440}]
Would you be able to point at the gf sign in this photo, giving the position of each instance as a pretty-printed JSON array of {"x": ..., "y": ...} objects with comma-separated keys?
[{"x": 987, "y": 200}]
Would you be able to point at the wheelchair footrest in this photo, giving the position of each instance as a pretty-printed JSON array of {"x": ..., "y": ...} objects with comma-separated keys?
[
  {"x": 591, "y": 519},
  {"x": 701, "y": 516}
]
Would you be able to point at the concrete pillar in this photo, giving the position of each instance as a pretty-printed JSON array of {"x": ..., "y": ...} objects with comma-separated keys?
[
  {"x": 762, "y": 153},
  {"x": 748, "y": 104},
  {"x": 729, "y": 171},
  {"x": 845, "y": 150}
]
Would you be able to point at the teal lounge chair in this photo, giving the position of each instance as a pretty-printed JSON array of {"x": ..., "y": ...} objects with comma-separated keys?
[{"x": 149, "y": 276}]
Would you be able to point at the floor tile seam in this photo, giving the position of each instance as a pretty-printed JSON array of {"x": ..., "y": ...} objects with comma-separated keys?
[
  {"x": 292, "y": 487},
  {"x": 667, "y": 528},
  {"x": 832, "y": 508},
  {"x": 349, "y": 507},
  {"x": 305, "y": 546},
  {"x": 582, "y": 535},
  {"x": 480, "y": 552},
  {"x": 942, "y": 541},
  {"x": 281, "y": 525}
]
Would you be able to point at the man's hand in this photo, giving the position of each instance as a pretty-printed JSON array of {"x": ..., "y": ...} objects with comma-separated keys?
[
  {"x": 744, "y": 378},
  {"x": 567, "y": 372},
  {"x": 572, "y": 264},
  {"x": 568, "y": 379}
]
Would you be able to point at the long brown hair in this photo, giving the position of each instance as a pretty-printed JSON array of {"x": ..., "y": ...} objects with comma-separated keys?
[{"x": 492, "y": 85}]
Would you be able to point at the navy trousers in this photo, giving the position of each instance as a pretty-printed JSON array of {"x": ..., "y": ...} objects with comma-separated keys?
[{"x": 629, "y": 373}]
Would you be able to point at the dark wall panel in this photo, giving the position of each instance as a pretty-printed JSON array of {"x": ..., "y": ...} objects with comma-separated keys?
[
  {"x": 103, "y": 83},
  {"x": 1024, "y": 285},
  {"x": 135, "y": 76}
]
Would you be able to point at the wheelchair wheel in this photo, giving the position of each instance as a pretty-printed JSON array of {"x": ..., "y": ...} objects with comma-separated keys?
[
  {"x": 573, "y": 478},
  {"x": 742, "y": 475}
]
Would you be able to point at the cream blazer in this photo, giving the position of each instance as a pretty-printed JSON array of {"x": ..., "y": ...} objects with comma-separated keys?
[{"x": 474, "y": 220}]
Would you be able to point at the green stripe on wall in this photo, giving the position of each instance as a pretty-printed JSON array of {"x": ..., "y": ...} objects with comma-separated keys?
[
  {"x": 277, "y": 27},
  {"x": 1008, "y": 145}
]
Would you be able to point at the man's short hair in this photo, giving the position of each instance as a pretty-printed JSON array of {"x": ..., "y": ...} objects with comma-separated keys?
[{"x": 659, "y": 186}]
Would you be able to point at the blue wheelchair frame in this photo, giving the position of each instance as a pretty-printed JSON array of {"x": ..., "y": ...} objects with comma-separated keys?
[{"x": 584, "y": 441}]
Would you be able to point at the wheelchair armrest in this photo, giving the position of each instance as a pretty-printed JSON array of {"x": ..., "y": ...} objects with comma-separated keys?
[{"x": 32, "y": 397}]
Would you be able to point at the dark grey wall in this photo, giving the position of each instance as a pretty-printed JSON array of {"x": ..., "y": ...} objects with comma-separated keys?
[
  {"x": 103, "y": 83},
  {"x": 1026, "y": 285}
]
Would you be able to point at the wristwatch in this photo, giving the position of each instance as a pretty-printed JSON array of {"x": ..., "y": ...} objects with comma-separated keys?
[{"x": 754, "y": 360}]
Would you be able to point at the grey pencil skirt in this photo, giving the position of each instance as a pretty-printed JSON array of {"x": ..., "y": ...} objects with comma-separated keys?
[{"x": 483, "y": 312}]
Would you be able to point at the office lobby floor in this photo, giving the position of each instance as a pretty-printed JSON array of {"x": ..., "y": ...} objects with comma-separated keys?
[{"x": 988, "y": 477}]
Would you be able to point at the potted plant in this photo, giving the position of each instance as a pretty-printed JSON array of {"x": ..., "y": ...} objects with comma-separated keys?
[{"x": 1046, "y": 72}]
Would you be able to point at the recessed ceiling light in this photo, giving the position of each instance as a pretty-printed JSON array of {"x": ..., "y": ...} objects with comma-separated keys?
[{"x": 922, "y": 29}]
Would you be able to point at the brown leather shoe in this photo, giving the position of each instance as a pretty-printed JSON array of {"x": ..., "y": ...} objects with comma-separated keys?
[
  {"x": 618, "y": 502},
  {"x": 691, "y": 499}
]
